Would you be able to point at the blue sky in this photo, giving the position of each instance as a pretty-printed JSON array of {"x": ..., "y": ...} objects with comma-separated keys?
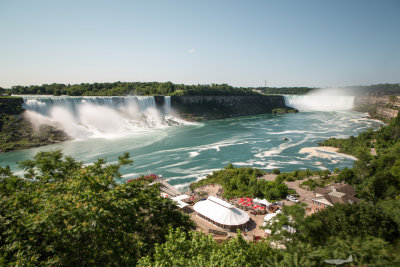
[{"x": 242, "y": 43}]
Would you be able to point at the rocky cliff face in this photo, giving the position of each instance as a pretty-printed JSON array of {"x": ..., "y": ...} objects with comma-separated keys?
[
  {"x": 219, "y": 107},
  {"x": 380, "y": 106},
  {"x": 11, "y": 105}
]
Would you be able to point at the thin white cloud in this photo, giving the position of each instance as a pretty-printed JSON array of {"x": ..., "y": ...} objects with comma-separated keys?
[{"x": 191, "y": 51}]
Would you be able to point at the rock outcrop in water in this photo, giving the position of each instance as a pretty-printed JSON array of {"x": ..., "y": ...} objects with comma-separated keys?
[{"x": 198, "y": 108}]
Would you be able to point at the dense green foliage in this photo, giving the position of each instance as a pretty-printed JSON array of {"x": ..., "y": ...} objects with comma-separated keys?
[
  {"x": 360, "y": 220},
  {"x": 377, "y": 176},
  {"x": 379, "y": 89},
  {"x": 168, "y": 88},
  {"x": 302, "y": 174},
  {"x": 64, "y": 213},
  {"x": 240, "y": 182},
  {"x": 285, "y": 90},
  {"x": 131, "y": 88},
  {"x": 311, "y": 184},
  {"x": 284, "y": 110},
  {"x": 196, "y": 249}
]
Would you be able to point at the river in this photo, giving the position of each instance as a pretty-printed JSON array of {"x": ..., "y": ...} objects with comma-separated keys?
[{"x": 185, "y": 152}]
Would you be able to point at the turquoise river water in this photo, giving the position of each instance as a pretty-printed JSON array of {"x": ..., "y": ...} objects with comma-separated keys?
[{"x": 188, "y": 152}]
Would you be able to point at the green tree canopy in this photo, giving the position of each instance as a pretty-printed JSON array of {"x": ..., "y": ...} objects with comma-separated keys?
[{"x": 65, "y": 213}]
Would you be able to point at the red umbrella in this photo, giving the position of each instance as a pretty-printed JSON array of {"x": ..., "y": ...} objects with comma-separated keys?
[
  {"x": 256, "y": 206},
  {"x": 241, "y": 199}
]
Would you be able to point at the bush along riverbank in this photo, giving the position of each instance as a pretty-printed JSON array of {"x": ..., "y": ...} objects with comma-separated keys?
[
  {"x": 16, "y": 132},
  {"x": 239, "y": 182}
]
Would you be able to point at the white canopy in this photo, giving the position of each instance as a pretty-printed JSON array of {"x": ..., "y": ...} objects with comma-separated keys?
[
  {"x": 180, "y": 198},
  {"x": 262, "y": 201},
  {"x": 179, "y": 202},
  {"x": 221, "y": 212}
]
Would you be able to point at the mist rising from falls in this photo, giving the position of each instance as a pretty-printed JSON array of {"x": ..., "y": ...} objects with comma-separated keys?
[
  {"x": 105, "y": 117},
  {"x": 321, "y": 100}
]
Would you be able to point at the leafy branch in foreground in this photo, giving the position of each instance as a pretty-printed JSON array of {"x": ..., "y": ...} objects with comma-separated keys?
[{"x": 64, "y": 213}]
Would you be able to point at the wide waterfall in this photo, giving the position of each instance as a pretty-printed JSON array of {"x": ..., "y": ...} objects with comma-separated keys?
[
  {"x": 321, "y": 100},
  {"x": 85, "y": 117}
]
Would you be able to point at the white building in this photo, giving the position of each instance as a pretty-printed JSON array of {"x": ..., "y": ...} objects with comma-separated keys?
[{"x": 222, "y": 214}]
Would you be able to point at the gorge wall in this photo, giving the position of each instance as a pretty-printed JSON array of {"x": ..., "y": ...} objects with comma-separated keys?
[
  {"x": 40, "y": 120},
  {"x": 380, "y": 106},
  {"x": 197, "y": 108},
  {"x": 11, "y": 105}
]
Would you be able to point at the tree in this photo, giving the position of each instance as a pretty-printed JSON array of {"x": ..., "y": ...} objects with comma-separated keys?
[
  {"x": 64, "y": 213},
  {"x": 355, "y": 220},
  {"x": 347, "y": 175},
  {"x": 197, "y": 249}
]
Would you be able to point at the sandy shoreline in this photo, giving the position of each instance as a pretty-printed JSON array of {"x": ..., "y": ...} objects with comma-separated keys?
[{"x": 326, "y": 152}]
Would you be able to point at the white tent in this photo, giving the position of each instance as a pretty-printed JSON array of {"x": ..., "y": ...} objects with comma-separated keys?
[
  {"x": 180, "y": 198},
  {"x": 262, "y": 201},
  {"x": 221, "y": 213},
  {"x": 179, "y": 202}
]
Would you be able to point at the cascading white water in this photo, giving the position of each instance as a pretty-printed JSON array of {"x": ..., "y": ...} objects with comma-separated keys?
[
  {"x": 320, "y": 100},
  {"x": 85, "y": 117},
  {"x": 167, "y": 105}
]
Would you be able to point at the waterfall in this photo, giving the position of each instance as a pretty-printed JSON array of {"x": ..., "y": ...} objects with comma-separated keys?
[
  {"x": 167, "y": 105},
  {"x": 109, "y": 117},
  {"x": 320, "y": 100}
]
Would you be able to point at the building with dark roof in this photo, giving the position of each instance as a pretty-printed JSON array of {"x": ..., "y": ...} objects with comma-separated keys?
[{"x": 333, "y": 194}]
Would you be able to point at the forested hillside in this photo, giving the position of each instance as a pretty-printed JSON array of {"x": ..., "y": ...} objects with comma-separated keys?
[
  {"x": 376, "y": 173},
  {"x": 286, "y": 90},
  {"x": 131, "y": 88},
  {"x": 169, "y": 88}
]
